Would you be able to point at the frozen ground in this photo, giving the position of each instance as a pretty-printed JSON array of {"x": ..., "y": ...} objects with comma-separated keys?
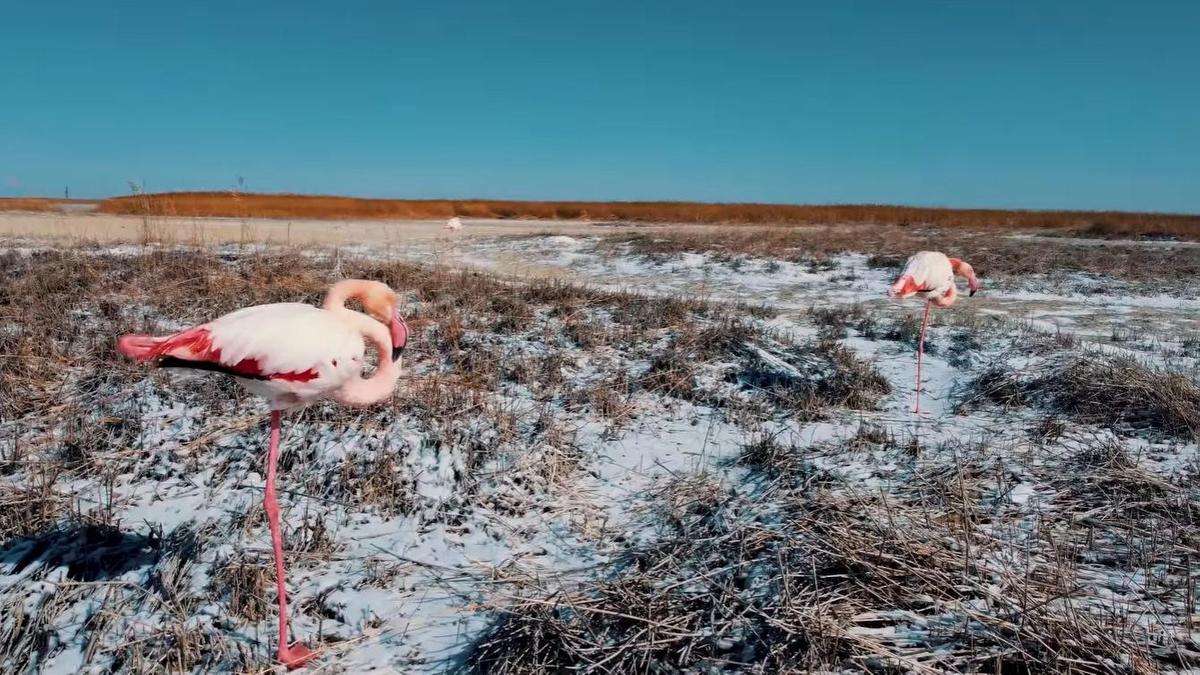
[
  {"x": 567, "y": 422},
  {"x": 1089, "y": 306}
]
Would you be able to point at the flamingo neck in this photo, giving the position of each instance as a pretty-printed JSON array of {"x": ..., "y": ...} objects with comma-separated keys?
[
  {"x": 342, "y": 291},
  {"x": 362, "y": 391},
  {"x": 964, "y": 270},
  {"x": 959, "y": 267}
]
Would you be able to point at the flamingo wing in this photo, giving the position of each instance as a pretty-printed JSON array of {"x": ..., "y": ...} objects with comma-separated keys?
[{"x": 290, "y": 342}]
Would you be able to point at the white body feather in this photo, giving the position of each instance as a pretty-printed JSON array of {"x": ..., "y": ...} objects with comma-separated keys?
[
  {"x": 290, "y": 338},
  {"x": 930, "y": 270}
]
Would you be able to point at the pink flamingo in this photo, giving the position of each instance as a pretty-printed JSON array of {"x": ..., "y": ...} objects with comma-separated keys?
[
  {"x": 930, "y": 274},
  {"x": 293, "y": 355}
]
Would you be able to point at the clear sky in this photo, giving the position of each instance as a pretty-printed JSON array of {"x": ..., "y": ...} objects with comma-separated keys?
[{"x": 1049, "y": 104}]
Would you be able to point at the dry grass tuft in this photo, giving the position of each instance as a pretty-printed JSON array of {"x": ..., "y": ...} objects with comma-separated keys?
[
  {"x": 776, "y": 460},
  {"x": 29, "y": 509},
  {"x": 803, "y": 379},
  {"x": 833, "y": 321},
  {"x": 243, "y": 583},
  {"x": 1103, "y": 390}
]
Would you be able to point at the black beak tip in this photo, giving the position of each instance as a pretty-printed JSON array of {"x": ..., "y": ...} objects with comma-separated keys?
[
  {"x": 971, "y": 294},
  {"x": 396, "y": 352}
]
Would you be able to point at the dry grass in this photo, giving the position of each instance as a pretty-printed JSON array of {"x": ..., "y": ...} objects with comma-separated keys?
[
  {"x": 30, "y": 509},
  {"x": 243, "y": 583},
  {"x": 1101, "y": 390},
  {"x": 1107, "y": 223},
  {"x": 804, "y": 380},
  {"x": 807, "y": 577},
  {"x": 94, "y": 558}
]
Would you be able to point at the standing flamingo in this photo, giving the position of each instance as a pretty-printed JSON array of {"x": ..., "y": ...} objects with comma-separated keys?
[
  {"x": 930, "y": 274},
  {"x": 453, "y": 225},
  {"x": 293, "y": 355}
]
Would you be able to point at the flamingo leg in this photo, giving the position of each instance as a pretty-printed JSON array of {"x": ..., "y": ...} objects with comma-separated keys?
[
  {"x": 297, "y": 654},
  {"x": 920, "y": 353}
]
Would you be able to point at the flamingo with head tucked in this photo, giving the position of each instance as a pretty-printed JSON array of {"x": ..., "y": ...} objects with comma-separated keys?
[
  {"x": 293, "y": 355},
  {"x": 930, "y": 275}
]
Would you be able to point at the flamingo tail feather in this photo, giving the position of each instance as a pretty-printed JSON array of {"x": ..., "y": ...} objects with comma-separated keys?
[{"x": 140, "y": 347}]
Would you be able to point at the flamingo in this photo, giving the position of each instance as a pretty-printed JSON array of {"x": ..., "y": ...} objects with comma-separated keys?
[
  {"x": 453, "y": 225},
  {"x": 930, "y": 274},
  {"x": 293, "y": 355}
]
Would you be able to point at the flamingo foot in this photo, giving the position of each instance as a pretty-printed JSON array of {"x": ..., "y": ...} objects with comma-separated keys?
[{"x": 295, "y": 656}]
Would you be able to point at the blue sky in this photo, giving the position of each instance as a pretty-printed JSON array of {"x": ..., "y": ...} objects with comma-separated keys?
[{"x": 1004, "y": 104}]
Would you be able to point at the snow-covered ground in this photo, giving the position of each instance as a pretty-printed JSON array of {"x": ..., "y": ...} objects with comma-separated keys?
[
  {"x": 526, "y": 453},
  {"x": 1086, "y": 305}
]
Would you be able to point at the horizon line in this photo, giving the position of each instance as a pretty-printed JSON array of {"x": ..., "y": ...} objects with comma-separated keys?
[{"x": 677, "y": 202}]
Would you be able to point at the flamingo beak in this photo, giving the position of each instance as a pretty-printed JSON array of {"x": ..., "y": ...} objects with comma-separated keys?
[{"x": 399, "y": 330}]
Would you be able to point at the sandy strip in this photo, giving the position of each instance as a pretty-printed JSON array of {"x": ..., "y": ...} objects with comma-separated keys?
[{"x": 111, "y": 229}]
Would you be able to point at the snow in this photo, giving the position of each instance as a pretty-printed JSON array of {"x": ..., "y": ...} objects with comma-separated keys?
[{"x": 1020, "y": 494}]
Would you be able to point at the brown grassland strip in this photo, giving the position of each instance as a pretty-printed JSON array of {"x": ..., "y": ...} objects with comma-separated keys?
[
  {"x": 247, "y": 205},
  {"x": 27, "y": 204}
]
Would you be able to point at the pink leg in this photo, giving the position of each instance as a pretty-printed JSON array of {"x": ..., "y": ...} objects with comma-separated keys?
[
  {"x": 296, "y": 655},
  {"x": 920, "y": 353}
]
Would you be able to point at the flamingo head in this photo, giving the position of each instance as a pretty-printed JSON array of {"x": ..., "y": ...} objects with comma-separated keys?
[{"x": 382, "y": 304}]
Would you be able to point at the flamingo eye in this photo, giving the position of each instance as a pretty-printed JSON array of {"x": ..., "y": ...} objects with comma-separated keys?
[{"x": 334, "y": 362}]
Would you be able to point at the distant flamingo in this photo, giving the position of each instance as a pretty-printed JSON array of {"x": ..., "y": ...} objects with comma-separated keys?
[
  {"x": 292, "y": 354},
  {"x": 931, "y": 275},
  {"x": 453, "y": 225}
]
